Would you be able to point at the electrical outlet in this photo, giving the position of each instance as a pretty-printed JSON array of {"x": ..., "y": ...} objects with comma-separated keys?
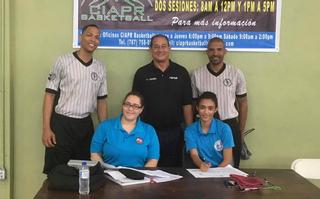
[{"x": 2, "y": 174}]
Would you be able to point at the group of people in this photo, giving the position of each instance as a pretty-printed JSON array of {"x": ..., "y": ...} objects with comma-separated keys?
[{"x": 155, "y": 125}]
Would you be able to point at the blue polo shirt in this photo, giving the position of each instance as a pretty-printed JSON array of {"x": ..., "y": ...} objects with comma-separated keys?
[
  {"x": 120, "y": 148},
  {"x": 209, "y": 145}
]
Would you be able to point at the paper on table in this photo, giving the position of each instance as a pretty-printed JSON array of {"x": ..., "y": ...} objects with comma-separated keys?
[
  {"x": 122, "y": 180},
  {"x": 78, "y": 163},
  {"x": 161, "y": 176},
  {"x": 218, "y": 172},
  {"x": 107, "y": 166},
  {"x": 151, "y": 176}
]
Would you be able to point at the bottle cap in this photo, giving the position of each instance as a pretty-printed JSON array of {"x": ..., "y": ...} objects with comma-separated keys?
[{"x": 84, "y": 163}]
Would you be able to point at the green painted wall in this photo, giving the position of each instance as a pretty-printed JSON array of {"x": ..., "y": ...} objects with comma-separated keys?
[
  {"x": 5, "y": 96},
  {"x": 283, "y": 87}
]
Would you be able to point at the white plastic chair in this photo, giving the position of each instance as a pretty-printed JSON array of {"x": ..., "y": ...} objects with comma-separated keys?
[{"x": 307, "y": 168}]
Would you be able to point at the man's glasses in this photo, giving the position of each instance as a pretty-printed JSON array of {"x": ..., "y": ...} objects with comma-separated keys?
[{"x": 133, "y": 106}]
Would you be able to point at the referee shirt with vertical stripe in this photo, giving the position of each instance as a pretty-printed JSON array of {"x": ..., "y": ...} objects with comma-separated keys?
[
  {"x": 80, "y": 85},
  {"x": 227, "y": 84}
]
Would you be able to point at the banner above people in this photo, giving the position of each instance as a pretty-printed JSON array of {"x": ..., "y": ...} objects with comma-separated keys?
[{"x": 244, "y": 25}]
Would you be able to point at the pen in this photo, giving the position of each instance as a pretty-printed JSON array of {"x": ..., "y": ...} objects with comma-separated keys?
[{"x": 206, "y": 162}]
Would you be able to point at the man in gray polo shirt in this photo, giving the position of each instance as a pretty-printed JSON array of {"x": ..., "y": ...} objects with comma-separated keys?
[
  {"x": 80, "y": 82},
  {"x": 229, "y": 84}
]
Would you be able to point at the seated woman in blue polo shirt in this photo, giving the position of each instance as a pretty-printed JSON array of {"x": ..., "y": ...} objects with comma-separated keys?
[
  {"x": 126, "y": 140},
  {"x": 209, "y": 141}
]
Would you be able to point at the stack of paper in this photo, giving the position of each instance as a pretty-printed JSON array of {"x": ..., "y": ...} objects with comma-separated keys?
[
  {"x": 121, "y": 179},
  {"x": 160, "y": 176},
  {"x": 218, "y": 172},
  {"x": 154, "y": 176}
]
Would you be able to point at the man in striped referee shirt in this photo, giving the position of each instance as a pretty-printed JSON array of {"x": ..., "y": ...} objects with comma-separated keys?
[
  {"x": 229, "y": 84},
  {"x": 80, "y": 82}
]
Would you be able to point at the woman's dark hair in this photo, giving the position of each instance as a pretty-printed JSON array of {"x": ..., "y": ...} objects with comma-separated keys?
[
  {"x": 134, "y": 93},
  {"x": 208, "y": 95},
  {"x": 211, "y": 96}
]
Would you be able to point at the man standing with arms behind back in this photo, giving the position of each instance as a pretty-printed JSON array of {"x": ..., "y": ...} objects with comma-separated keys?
[
  {"x": 81, "y": 82},
  {"x": 166, "y": 88},
  {"x": 229, "y": 84}
]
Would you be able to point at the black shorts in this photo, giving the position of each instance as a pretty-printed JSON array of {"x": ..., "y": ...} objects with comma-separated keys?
[
  {"x": 171, "y": 147},
  {"x": 73, "y": 137}
]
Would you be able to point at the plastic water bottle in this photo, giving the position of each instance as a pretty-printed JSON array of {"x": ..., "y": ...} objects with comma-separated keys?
[{"x": 84, "y": 179}]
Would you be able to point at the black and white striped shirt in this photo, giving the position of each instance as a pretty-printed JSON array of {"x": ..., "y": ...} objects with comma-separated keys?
[
  {"x": 227, "y": 84},
  {"x": 80, "y": 85}
]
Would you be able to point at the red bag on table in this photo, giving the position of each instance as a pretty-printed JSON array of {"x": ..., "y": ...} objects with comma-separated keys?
[{"x": 247, "y": 183}]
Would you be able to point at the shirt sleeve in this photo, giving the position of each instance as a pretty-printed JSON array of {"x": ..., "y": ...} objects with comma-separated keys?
[
  {"x": 241, "y": 88},
  {"x": 195, "y": 93},
  {"x": 227, "y": 139},
  {"x": 137, "y": 84},
  {"x": 103, "y": 91},
  {"x": 98, "y": 139},
  {"x": 187, "y": 92},
  {"x": 189, "y": 138},
  {"x": 55, "y": 76},
  {"x": 154, "y": 147}
]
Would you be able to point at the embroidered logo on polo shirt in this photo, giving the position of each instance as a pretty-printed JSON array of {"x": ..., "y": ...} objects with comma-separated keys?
[
  {"x": 51, "y": 76},
  {"x": 218, "y": 145},
  {"x": 94, "y": 76},
  {"x": 151, "y": 79},
  {"x": 227, "y": 82},
  {"x": 139, "y": 141},
  {"x": 173, "y": 77}
]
